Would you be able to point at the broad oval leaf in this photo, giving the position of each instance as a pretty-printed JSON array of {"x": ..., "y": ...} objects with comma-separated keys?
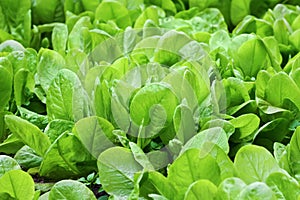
[
  {"x": 258, "y": 162},
  {"x": 18, "y": 184},
  {"x": 191, "y": 167},
  {"x": 71, "y": 190},
  {"x": 150, "y": 96},
  {"x": 252, "y": 57},
  {"x": 276, "y": 90},
  {"x": 117, "y": 167}
]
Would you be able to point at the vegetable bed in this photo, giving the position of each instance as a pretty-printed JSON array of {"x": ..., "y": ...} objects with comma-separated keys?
[{"x": 150, "y": 99}]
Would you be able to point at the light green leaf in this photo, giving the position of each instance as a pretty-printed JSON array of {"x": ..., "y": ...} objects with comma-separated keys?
[
  {"x": 150, "y": 97},
  {"x": 56, "y": 127},
  {"x": 113, "y": 10},
  {"x": 71, "y": 190},
  {"x": 95, "y": 133},
  {"x": 190, "y": 167},
  {"x": 257, "y": 191},
  {"x": 59, "y": 38},
  {"x": 230, "y": 188},
  {"x": 202, "y": 189},
  {"x": 162, "y": 185},
  {"x": 258, "y": 161},
  {"x": 184, "y": 123},
  {"x": 28, "y": 133},
  {"x": 215, "y": 135},
  {"x": 284, "y": 186},
  {"x": 23, "y": 86},
  {"x": 18, "y": 184},
  {"x": 50, "y": 62},
  {"x": 66, "y": 98},
  {"x": 67, "y": 158},
  {"x": 294, "y": 153},
  {"x": 252, "y": 57},
  {"x": 80, "y": 37},
  {"x": 140, "y": 156},
  {"x": 150, "y": 13},
  {"x": 168, "y": 47},
  {"x": 276, "y": 90},
  {"x": 117, "y": 167},
  {"x": 5, "y": 87},
  {"x": 245, "y": 126},
  {"x": 239, "y": 9}
]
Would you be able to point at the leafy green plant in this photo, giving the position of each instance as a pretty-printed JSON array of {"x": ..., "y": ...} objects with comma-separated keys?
[{"x": 152, "y": 99}]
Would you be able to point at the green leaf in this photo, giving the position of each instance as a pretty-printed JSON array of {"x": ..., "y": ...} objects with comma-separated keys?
[
  {"x": 7, "y": 164},
  {"x": 168, "y": 47},
  {"x": 245, "y": 126},
  {"x": 294, "y": 153},
  {"x": 252, "y": 57},
  {"x": 140, "y": 156},
  {"x": 80, "y": 37},
  {"x": 47, "y": 11},
  {"x": 23, "y": 86},
  {"x": 56, "y": 127},
  {"x": 117, "y": 167},
  {"x": 225, "y": 164},
  {"x": 276, "y": 90},
  {"x": 50, "y": 62},
  {"x": 257, "y": 191},
  {"x": 5, "y": 87},
  {"x": 66, "y": 98},
  {"x": 11, "y": 144},
  {"x": 150, "y": 13},
  {"x": 239, "y": 9},
  {"x": 28, "y": 133},
  {"x": 17, "y": 19},
  {"x": 155, "y": 97},
  {"x": 59, "y": 38},
  {"x": 113, "y": 10},
  {"x": 214, "y": 135},
  {"x": 257, "y": 160},
  {"x": 28, "y": 158},
  {"x": 190, "y": 167},
  {"x": 284, "y": 186},
  {"x": 294, "y": 39},
  {"x": 202, "y": 189},
  {"x": 162, "y": 185},
  {"x": 18, "y": 184},
  {"x": 40, "y": 121},
  {"x": 71, "y": 190},
  {"x": 230, "y": 188},
  {"x": 67, "y": 158},
  {"x": 95, "y": 133},
  {"x": 184, "y": 123}
]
